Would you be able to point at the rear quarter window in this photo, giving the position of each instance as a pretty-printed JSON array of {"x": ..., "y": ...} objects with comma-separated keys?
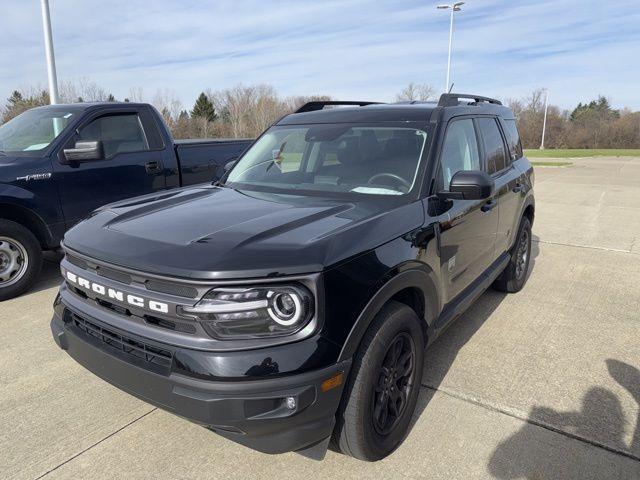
[
  {"x": 513, "y": 139},
  {"x": 493, "y": 144}
]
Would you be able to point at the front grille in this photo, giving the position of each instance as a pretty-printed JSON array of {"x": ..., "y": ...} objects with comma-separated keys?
[
  {"x": 77, "y": 262},
  {"x": 114, "y": 275},
  {"x": 171, "y": 289},
  {"x": 128, "y": 345}
]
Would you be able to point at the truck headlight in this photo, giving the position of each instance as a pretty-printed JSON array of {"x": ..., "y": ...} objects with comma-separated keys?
[{"x": 252, "y": 312}]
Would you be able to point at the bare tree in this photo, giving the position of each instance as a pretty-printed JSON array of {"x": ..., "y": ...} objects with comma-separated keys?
[
  {"x": 166, "y": 102},
  {"x": 136, "y": 94},
  {"x": 235, "y": 105},
  {"x": 267, "y": 108},
  {"x": 416, "y": 92}
]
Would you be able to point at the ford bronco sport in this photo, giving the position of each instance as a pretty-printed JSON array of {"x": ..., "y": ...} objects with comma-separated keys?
[{"x": 289, "y": 305}]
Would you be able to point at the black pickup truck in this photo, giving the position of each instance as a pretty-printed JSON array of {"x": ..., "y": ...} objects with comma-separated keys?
[
  {"x": 58, "y": 163},
  {"x": 290, "y": 304}
]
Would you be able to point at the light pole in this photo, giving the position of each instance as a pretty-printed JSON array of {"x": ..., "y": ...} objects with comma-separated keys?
[
  {"x": 455, "y": 7},
  {"x": 48, "y": 45},
  {"x": 544, "y": 122}
]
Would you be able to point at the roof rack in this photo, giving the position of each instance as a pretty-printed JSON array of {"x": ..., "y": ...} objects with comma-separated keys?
[
  {"x": 452, "y": 99},
  {"x": 319, "y": 105}
]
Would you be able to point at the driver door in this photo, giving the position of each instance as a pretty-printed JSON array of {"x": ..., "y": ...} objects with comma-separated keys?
[{"x": 468, "y": 237}]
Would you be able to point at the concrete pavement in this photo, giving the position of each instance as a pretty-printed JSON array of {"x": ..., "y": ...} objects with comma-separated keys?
[{"x": 544, "y": 384}]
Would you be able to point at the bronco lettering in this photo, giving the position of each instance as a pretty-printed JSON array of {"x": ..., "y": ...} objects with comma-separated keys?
[{"x": 117, "y": 294}]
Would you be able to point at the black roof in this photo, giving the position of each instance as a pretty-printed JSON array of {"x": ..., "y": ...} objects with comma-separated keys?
[
  {"x": 448, "y": 106},
  {"x": 368, "y": 113}
]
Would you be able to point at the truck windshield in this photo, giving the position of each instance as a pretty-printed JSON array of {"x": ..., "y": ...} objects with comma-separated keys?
[
  {"x": 341, "y": 158},
  {"x": 34, "y": 129}
]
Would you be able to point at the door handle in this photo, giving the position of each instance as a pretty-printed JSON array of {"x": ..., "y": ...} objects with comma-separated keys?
[
  {"x": 489, "y": 205},
  {"x": 153, "y": 167},
  {"x": 519, "y": 188}
]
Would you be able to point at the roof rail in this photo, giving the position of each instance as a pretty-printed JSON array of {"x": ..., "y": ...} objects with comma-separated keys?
[
  {"x": 452, "y": 99},
  {"x": 319, "y": 105}
]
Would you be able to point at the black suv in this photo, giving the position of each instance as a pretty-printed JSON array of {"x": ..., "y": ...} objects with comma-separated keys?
[{"x": 289, "y": 305}]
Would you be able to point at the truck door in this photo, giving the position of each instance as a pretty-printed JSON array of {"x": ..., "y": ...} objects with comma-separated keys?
[
  {"x": 506, "y": 176},
  {"x": 132, "y": 165},
  {"x": 468, "y": 237}
]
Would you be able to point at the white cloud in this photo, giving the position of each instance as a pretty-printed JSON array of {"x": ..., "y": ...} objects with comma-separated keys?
[{"x": 349, "y": 49}]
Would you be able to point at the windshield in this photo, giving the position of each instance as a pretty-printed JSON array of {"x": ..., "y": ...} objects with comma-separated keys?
[
  {"x": 341, "y": 158},
  {"x": 34, "y": 129}
]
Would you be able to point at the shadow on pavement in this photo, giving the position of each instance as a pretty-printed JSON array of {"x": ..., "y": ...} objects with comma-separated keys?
[
  {"x": 50, "y": 273},
  {"x": 629, "y": 378},
  {"x": 534, "y": 452}
]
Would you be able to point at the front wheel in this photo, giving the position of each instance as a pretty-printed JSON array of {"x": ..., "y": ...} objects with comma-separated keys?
[
  {"x": 514, "y": 275},
  {"x": 381, "y": 395},
  {"x": 20, "y": 259}
]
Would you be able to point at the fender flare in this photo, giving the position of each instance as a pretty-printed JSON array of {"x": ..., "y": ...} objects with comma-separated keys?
[
  {"x": 418, "y": 278},
  {"x": 529, "y": 201},
  {"x": 27, "y": 218}
]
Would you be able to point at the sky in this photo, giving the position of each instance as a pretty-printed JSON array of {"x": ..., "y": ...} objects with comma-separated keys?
[{"x": 349, "y": 49}]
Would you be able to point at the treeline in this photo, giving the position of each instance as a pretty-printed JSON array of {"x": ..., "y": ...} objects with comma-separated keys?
[
  {"x": 245, "y": 111},
  {"x": 590, "y": 125},
  {"x": 238, "y": 112},
  {"x": 594, "y": 124}
]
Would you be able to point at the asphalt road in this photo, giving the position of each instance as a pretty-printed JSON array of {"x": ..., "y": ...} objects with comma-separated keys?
[{"x": 544, "y": 384}]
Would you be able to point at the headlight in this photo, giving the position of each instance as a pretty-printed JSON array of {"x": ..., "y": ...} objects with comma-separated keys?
[{"x": 255, "y": 312}]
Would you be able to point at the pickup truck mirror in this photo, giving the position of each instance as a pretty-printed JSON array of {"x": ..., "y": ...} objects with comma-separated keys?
[
  {"x": 470, "y": 185},
  {"x": 85, "y": 151},
  {"x": 229, "y": 165}
]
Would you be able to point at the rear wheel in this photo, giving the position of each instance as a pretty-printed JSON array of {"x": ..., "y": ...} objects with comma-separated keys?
[
  {"x": 514, "y": 275},
  {"x": 20, "y": 259},
  {"x": 381, "y": 395}
]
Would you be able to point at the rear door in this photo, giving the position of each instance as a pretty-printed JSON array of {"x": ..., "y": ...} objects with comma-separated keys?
[
  {"x": 133, "y": 163},
  {"x": 468, "y": 237},
  {"x": 499, "y": 163}
]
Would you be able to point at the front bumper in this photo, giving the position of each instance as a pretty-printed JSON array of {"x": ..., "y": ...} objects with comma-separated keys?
[{"x": 254, "y": 413}]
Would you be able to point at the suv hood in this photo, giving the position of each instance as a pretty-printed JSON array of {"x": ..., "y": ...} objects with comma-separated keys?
[{"x": 209, "y": 232}]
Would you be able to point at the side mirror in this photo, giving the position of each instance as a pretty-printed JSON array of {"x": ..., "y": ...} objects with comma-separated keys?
[
  {"x": 229, "y": 165},
  {"x": 85, "y": 151},
  {"x": 470, "y": 185}
]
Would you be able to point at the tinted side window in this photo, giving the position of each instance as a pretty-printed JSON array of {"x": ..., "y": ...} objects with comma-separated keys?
[
  {"x": 513, "y": 139},
  {"x": 119, "y": 133},
  {"x": 493, "y": 144},
  {"x": 459, "y": 151}
]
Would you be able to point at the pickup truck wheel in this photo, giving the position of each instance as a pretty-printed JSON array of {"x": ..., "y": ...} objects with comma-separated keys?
[
  {"x": 514, "y": 275},
  {"x": 380, "y": 396},
  {"x": 20, "y": 259}
]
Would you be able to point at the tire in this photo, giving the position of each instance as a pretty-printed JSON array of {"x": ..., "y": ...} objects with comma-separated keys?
[
  {"x": 359, "y": 432},
  {"x": 20, "y": 259},
  {"x": 514, "y": 276}
]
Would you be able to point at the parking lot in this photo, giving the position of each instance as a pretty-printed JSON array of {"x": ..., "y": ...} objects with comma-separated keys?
[{"x": 544, "y": 384}]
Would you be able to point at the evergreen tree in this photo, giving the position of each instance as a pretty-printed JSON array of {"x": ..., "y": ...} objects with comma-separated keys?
[
  {"x": 595, "y": 109},
  {"x": 111, "y": 98},
  {"x": 15, "y": 99},
  {"x": 225, "y": 114},
  {"x": 204, "y": 108}
]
